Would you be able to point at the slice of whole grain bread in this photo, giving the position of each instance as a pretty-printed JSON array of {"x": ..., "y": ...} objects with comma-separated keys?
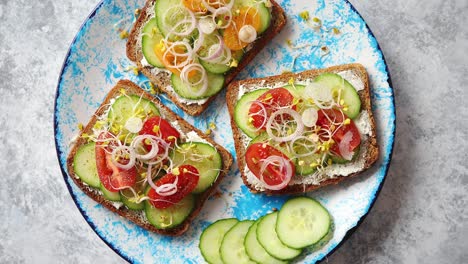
[
  {"x": 162, "y": 79},
  {"x": 139, "y": 217},
  {"x": 372, "y": 150}
]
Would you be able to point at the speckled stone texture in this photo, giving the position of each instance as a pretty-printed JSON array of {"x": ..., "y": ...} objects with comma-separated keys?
[{"x": 420, "y": 217}]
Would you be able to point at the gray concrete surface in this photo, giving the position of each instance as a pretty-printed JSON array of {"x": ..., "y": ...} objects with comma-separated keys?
[{"x": 420, "y": 217}]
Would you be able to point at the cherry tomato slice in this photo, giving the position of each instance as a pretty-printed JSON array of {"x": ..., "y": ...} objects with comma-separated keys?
[
  {"x": 338, "y": 117},
  {"x": 187, "y": 180},
  {"x": 271, "y": 100},
  {"x": 111, "y": 177},
  {"x": 159, "y": 127},
  {"x": 272, "y": 175}
]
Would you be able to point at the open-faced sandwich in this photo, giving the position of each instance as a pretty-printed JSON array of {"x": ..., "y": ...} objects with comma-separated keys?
[
  {"x": 298, "y": 132},
  {"x": 191, "y": 49},
  {"x": 139, "y": 159}
]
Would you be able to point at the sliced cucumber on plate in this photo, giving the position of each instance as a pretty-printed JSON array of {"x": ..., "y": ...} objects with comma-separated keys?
[
  {"x": 232, "y": 248},
  {"x": 211, "y": 238},
  {"x": 302, "y": 222}
]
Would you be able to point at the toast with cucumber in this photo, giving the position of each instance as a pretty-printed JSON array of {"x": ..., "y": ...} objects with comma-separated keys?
[
  {"x": 140, "y": 160},
  {"x": 295, "y": 133},
  {"x": 192, "y": 49}
]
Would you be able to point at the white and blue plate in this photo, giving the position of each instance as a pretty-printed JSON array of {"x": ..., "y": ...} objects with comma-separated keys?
[{"x": 96, "y": 61}]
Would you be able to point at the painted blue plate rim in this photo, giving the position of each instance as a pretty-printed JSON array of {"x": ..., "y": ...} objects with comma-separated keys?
[{"x": 122, "y": 254}]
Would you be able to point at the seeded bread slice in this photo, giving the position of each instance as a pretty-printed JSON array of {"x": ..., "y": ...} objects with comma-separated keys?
[
  {"x": 137, "y": 217},
  {"x": 162, "y": 79},
  {"x": 369, "y": 145}
]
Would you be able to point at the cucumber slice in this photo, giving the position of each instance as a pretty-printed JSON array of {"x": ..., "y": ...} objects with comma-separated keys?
[
  {"x": 302, "y": 222},
  {"x": 221, "y": 68},
  {"x": 211, "y": 238},
  {"x": 232, "y": 247},
  {"x": 348, "y": 92},
  {"x": 84, "y": 164},
  {"x": 268, "y": 238},
  {"x": 111, "y": 196},
  {"x": 340, "y": 160},
  {"x": 241, "y": 112},
  {"x": 171, "y": 216},
  {"x": 265, "y": 138},
  {"x": 168, "y": 14},
  {"x": 255, "y": 251},
  {"x": 208, "y": 167},
  {"x": 215, "y": 84},
  {"x": 127, "y": 106},
  {"x": 151, "y": 38},
  {"x": 263, "y": 11},
  {"x": 303, "y": 164},
  {"x": 126, "y": 196}
]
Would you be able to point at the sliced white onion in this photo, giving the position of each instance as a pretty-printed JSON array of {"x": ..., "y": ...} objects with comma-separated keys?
[
  {"x": 223, "y": 11},
  {"x": 149, "y": 179},
  {"x": 312, "y": 149},
  {"x": 263, "y": 114},
  {"x": 206, "y": 25},
  {"x": 188, "y": 54},
  {"x": 297, "y": 118},
  {"x": 138, "y": 142},
  {"x": 221, "y": 4},
  {"x": 309, "y": 117},
  {"x": 203, "y": 81},
  {"x": 122, "y": 151},
  {"x": 247, "y": 34},
  {"x": 168, "y": 189},
  {"x": 215, "y": 51},
  {"x": 284, "y": 165},
  {"x": 189, "y": 20},
  {"x": 165, "y": 146},
  {"x": 134, "y": 124},
  {"x": 344, "y": 146},
  {"x": 321, "y": 94},
  {"x": 224, "y": 58}
]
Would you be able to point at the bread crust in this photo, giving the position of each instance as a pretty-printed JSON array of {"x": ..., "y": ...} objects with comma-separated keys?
[
  {"x": 162, "y": 79},
  {"x": 372, "y": 153},
  {"x": 136, "y": 216}
]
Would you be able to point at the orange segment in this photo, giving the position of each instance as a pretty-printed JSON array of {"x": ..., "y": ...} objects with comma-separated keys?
[
  {"x": 170, "y": 60},
  {"x": 195, "y": 5},
  {"x": 246, "y": 16}
]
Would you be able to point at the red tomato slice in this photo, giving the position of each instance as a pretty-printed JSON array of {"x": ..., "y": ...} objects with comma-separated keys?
[
  {"x": 187, "y": 180},
  {"x": 111, "y": 177},
  {"x": 272, "y": 175},
  {"x": 271, "y": 100},
  {"x": 338, "y": 117},
  {"x": 159, "y": 127}
]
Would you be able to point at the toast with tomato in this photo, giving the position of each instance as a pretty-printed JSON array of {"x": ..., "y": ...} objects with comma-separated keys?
[
  {"x": 295, "y": 133},
  {"x": 191, "y": 49},
  {"x": 140, "y": 160}
]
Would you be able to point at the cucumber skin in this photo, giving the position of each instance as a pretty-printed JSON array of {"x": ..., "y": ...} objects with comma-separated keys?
[
  {"x": 271, "y": 252},
  {"x": 131, "y": 205},
  {"x": 205, "y": 232},
  {"x": 148, "y": 51},
  {"x": 150, "y": 209},
  {"x": 241, "y": 111},
  {"x": 215, "y": 84},
  {"x": 88, "y": 150},
  {"x": 349, "y": 92},
  {"x": 110, "y": 196},
  {"x": 266, "y": 260},
  {"x": 308, "y": 200},
  {"x": 228, "y": 261},
  {"x": 202, "y": 182}
]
